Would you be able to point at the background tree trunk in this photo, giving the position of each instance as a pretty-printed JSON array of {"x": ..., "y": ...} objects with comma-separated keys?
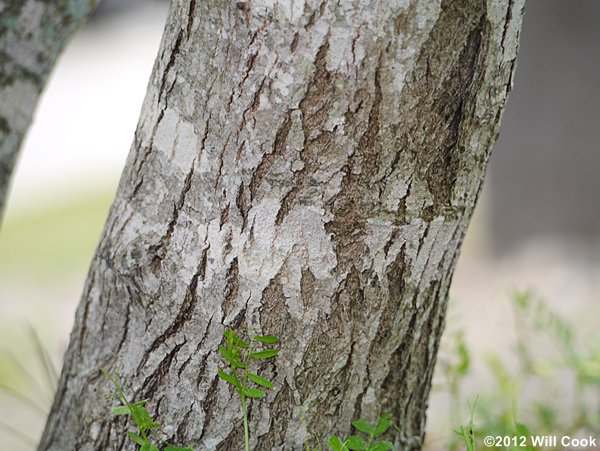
[
  {"x": 306, "y": 169},
  {"x": 32, "y": 35}
]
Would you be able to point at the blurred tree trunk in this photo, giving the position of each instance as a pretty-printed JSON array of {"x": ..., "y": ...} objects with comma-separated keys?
[
  {"x": 32, "y": 35},
  {"x": 308, "y": 172}
]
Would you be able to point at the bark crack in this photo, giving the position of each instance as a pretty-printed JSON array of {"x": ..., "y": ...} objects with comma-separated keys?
[
  {"x": 185, "y": 313},
  {"x": 191, "y": 18}
]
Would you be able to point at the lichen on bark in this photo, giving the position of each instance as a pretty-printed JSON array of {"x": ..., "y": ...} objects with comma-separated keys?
[{"x": 305, "y": 169}]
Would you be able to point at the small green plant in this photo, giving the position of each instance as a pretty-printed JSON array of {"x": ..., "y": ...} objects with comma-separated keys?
[
  {"x": 239, "y": 354},
  {"x": 367, "y": 441},
  {"x": 548, "y": 348},
  {"x": 140, "y": 416},
  {"x": 468, "y": 432}
]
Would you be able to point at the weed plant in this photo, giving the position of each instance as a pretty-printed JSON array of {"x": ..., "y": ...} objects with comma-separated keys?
[
  {"x": 145, "y": 435},
  {"x": 367, "y": 441},
  {"x": 239, "y": 355},
  {"x": 569, "y": 382}
]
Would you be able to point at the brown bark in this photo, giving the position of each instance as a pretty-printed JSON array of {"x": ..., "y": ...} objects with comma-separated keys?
[{"x": 305, "y": 171}]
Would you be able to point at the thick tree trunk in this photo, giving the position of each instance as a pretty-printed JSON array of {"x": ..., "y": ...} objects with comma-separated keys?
[
  {"x": 32, "y": 35},
  {"x": 306, "y": 169}
]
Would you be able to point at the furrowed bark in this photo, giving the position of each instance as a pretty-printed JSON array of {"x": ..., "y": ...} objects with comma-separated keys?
[
  {"x": 32, "y": 35},
  {"x": 307, "y": 170}
]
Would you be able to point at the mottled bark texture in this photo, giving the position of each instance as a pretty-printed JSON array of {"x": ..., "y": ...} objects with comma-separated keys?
[
  {"x": 32, "y": 35},
  {"x": 306, "y": 169}
]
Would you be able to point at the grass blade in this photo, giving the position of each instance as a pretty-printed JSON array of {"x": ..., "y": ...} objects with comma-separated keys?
[
  {"x": 18, "y": 434},
  {"x": 35, "y": 385},
  {"x": 44, "y": 358},
  {"x": 24, "y": 398}
]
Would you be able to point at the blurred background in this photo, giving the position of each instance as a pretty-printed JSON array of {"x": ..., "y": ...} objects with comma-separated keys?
[{"x": 536, "y": 228}]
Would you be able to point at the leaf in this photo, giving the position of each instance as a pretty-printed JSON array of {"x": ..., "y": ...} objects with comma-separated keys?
[
  {"x": 363, "y": 426},
  {"x": 139, "y": 403},
  {"x": 268, "y": 339},
  {"x": 241, "y": 343},
  {"x": 383, "y": 425},
  {"x": 382, "y": 445},
  {"x": 142, "y": 418},
  {"x": 230, "y": 335},
  {"x": 266, "y": 354},
  {"x": 136, "y": 438},
  {"x": 120, "y": 410},
  {"x": 354, "y": 442},
  {"x": 227, "y": 355},
  {"x": 336, "y": 444},
  {"x": 228, "y": 378},
  {"x": 260, "y": 381},
  {"x": 253, "y": 393},
  {"x": 149, "y": 447}
]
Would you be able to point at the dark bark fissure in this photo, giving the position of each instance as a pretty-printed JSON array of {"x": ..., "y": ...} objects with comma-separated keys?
[{"x": 185, "y": 312}]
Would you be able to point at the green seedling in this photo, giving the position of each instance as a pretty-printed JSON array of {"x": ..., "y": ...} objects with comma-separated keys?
[
  {"x": 140, "y": 416},
  {"x": 367, "y": 440},
  {"x": 239, "y": 354},
  {"x": 468, "y": 432}
]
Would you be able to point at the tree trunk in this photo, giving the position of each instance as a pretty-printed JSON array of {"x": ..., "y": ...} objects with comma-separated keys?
[
  {"x": 32, "y": 35},
  {"x": 307, "y": 170}
]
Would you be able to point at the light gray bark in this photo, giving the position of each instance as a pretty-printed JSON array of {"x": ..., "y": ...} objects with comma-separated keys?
[
  {"x": 307, "y": 169},
  {"x": 32, "y": 35}
]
